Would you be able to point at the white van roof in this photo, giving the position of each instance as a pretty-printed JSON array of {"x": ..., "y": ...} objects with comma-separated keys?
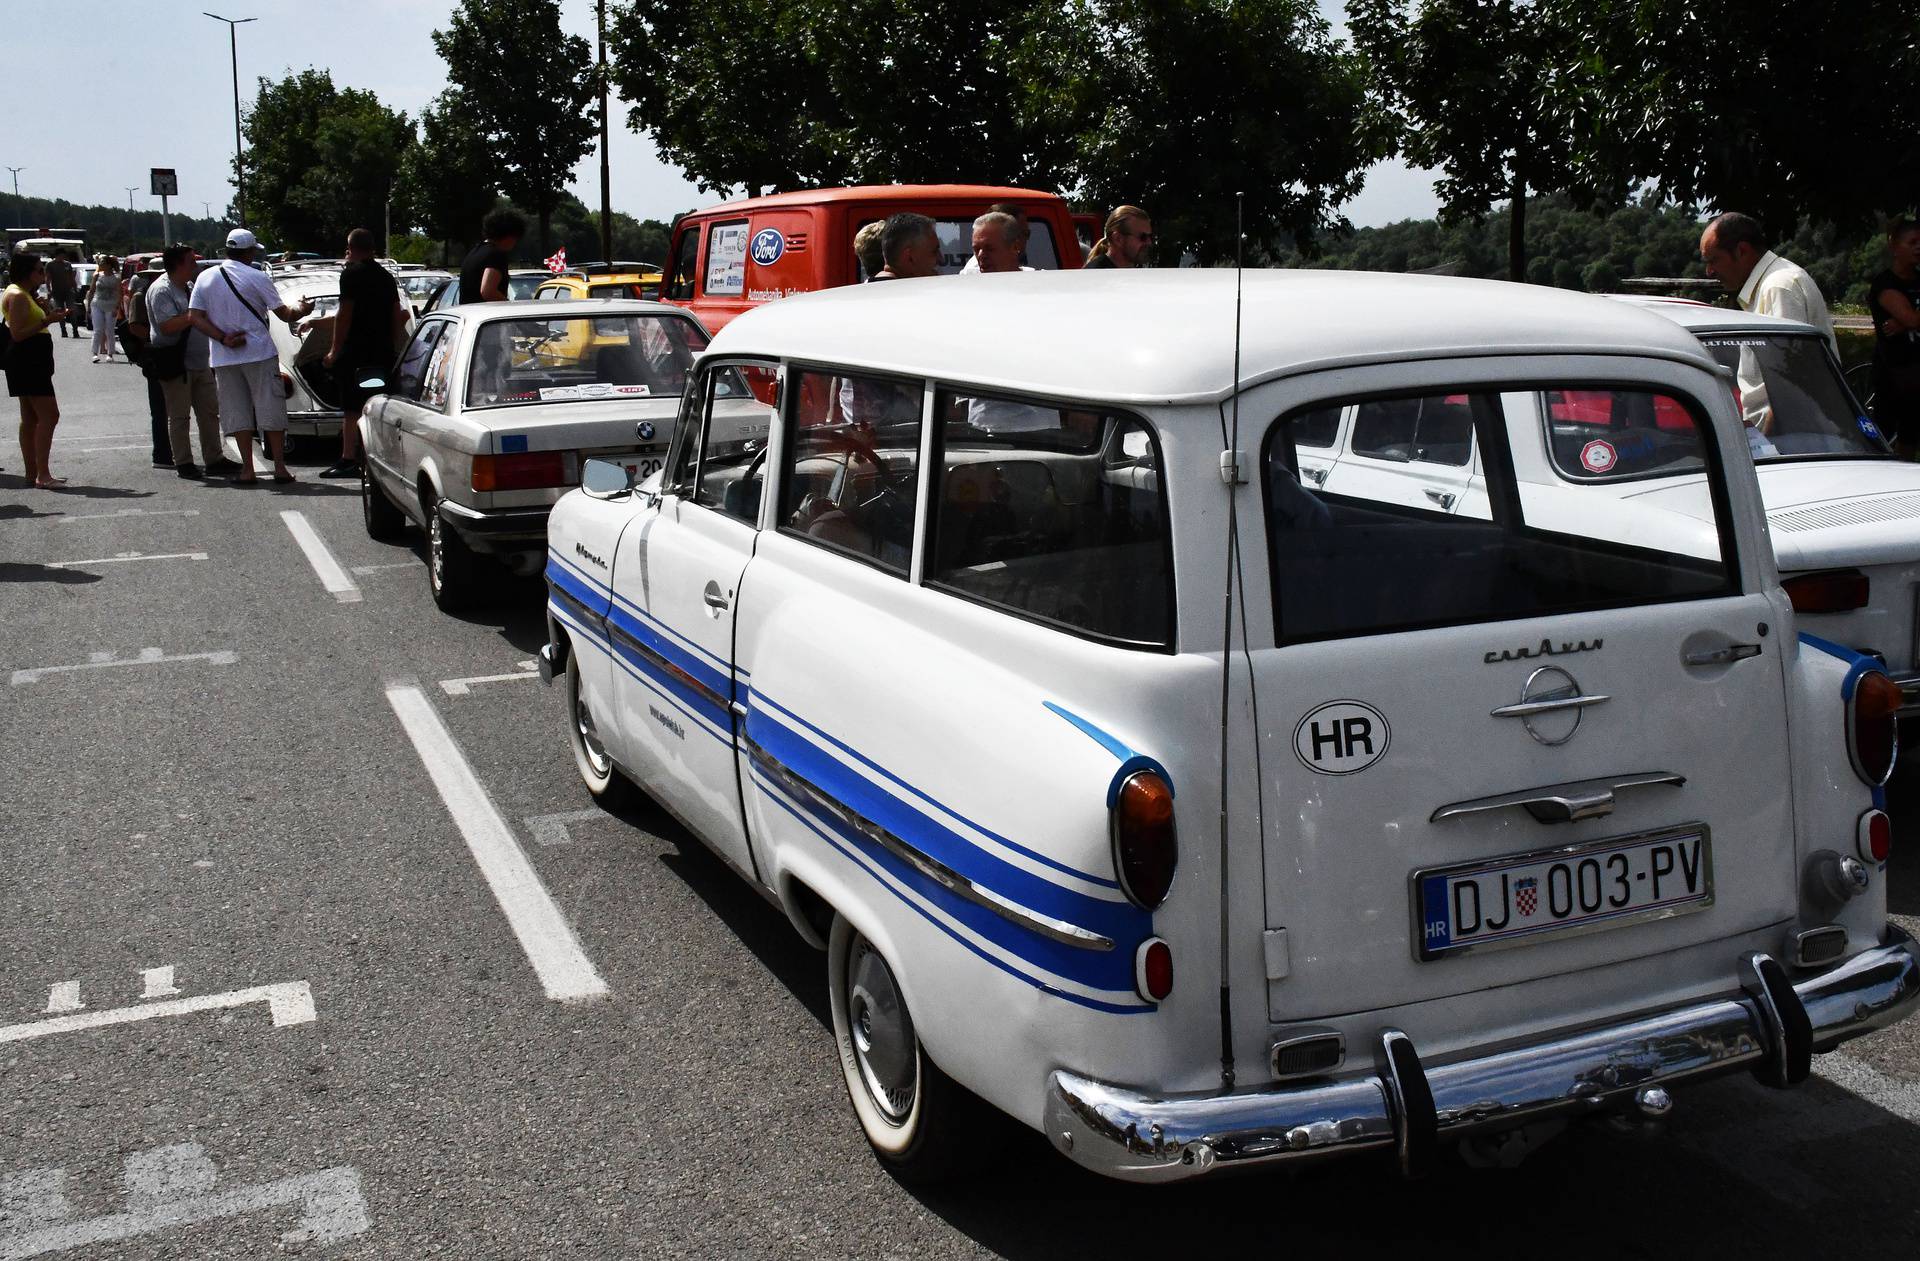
[{"x": 1166, "y": 335}]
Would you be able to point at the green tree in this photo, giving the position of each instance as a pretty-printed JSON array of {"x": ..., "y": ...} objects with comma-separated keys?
[
  {"x": 1787, "y": 110},
  {"x": 449, "y": 180},
  {"x": 1472, "y": 87},
  {"x": 1179, "y": 104},
  {"x": 834, "y": 91},
  {"x": 525, "y": 87},
  {"x": 320, "y": 160}
]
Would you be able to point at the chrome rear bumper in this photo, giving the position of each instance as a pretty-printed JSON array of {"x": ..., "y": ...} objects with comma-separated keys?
[{"x": 1772, "y": 1027}]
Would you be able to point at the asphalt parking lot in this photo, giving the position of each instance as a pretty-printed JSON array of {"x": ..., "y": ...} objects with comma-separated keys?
[{"x": 257, "y": 995}]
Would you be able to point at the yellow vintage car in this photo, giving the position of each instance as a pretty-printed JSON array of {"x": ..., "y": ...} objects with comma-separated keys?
[{"x": 604, "y": 280}]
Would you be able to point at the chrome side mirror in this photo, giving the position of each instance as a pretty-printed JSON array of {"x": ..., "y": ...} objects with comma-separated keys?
[{"x": 603, "y": 479}]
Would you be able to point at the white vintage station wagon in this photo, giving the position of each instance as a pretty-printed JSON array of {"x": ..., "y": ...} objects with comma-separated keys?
[{"x": 1198, "y": 816}]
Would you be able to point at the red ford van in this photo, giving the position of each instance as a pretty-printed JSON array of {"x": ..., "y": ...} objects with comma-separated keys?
[{"x": 728, "y": 259}]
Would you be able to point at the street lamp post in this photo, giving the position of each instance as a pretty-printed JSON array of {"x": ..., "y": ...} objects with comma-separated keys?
[
  {"x": 239, "y": 169},
  {"x": 133, "y": 225},
  {"x": 606, "y": 179},
  {"x": 19, "y": 207}
]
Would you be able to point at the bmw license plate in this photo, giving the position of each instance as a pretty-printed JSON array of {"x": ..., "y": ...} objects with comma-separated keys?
[
  {"x": 640, "y": 465},
  {"x": 1524, "y": 898}
]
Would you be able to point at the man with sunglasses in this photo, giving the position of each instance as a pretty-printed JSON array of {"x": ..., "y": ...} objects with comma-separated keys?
[{"x": 1129, "y": 235}]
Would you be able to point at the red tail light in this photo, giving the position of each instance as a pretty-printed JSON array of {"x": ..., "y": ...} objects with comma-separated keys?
[
  {"x": 1153, "y": 970},
  {"x": 534, "y": 470},
  {"x": 1875, "y": 837},
  {"x": 286, "y": 386},
  {"x": 1835, "y": 591},
  {"x": 1873, "y": 731},
  {"x": 1145, "y": 852}
]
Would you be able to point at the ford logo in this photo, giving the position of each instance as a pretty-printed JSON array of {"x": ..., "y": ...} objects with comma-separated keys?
[{"x": 768, "y": 245}]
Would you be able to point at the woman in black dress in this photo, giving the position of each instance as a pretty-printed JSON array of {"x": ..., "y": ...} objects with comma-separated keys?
[
  {"x": 1893, "y": 299},
  {"x": 30, "y": 364}
]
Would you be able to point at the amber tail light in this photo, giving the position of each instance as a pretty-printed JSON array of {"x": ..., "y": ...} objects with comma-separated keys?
[
  {"x": 535, "y": 470},
  {"x": 1834, "y": 591},
  {"x": 1145, "y": 852},
  {"x": 1873, "y": 730}
]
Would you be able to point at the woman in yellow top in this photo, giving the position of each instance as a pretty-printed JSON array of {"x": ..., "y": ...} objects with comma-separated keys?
[{"x": 30, "y": 364}]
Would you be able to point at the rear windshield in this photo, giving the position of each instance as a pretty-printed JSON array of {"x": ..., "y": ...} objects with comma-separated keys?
[
  {"x": 1792, "y": 398},
  {"x": 581, "y": 359},
  {"x": 1357, "y": 550}
]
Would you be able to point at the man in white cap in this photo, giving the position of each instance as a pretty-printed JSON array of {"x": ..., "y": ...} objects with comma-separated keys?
[{"x": 230, "y": 304}]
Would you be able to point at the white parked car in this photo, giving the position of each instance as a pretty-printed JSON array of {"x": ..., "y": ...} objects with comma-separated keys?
[
  {"x": 491, "y": 410},
  {"x": 1492, "y": 819}
]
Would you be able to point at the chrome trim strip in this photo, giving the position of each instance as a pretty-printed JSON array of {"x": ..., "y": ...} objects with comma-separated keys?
[
  {"x": 1144, "y": 1136},
  {"x": 516, "y": 515},
  {"x": 573, "y": 605},
  {"x": 1561, "y": 803},
  {"x": 1527, "y": 709},
  {"x": 1909, "y": 693},
  {"x": 654, "y": 657},
  {"x": 933, "y": 869},
  {"x": 1562, "y": 852}
]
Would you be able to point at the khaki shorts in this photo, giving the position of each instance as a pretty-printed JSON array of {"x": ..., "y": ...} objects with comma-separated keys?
[{"x": 250, "y": 397}]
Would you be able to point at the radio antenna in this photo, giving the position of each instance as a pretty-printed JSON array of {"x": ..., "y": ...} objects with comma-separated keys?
[{"x": 1230, "y": 473}]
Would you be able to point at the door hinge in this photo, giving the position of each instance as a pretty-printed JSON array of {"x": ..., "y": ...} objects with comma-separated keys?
[{"x": 1230, "y": 468}]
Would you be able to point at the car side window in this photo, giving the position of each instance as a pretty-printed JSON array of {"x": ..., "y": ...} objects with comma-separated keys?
[
  {"x": 1434, "y": 429},
  {"x": 735, "y": 426},
  {"x": 413, "y": 361},
  {"x": 686, "y": 256},
  {"x": 852, "y": 465},
  {"x": 1057, "y": 514}
]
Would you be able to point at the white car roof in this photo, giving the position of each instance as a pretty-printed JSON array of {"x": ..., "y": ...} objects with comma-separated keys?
[
  {"x": 1702, "y": 317},
  {"x": 1167, "y": 334}
]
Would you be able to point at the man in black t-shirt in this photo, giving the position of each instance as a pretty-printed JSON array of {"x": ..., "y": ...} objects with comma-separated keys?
[
  {"x": 483, "y": 276},
  {"x": 1893, "y": 300},
  {"x": 363, "y": 334}
]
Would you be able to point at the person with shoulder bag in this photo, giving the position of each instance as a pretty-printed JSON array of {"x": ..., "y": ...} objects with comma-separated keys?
[
  {"x": 178, "y": 359},
  {"x": 135, "y": 334},
  {"x": 230, "y": 304},
  {"x": 29, "y": 365}
]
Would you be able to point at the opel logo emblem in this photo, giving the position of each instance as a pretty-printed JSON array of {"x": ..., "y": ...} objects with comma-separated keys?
[{"x": 1551, "y": 683}]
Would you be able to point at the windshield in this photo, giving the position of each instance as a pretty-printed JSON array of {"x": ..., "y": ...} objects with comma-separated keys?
[
  {"x": 1792, "y": 398},
  {"x": 581, "y": 358},
  {"x": 422, "y": 284},
  {"x": 521, "y": 287},
  {"x": 956, "y": 245}
]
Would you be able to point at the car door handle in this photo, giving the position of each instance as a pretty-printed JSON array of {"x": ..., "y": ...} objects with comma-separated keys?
[
  {"x": 1442, "y": 497},
  {"x": 1562, "y": 803},
  {"x": 714, "y": 599},
  {"x": 1726, "y": 655},
  {"x": 1546, "y": 705},
  {"x": 1318, "y": 476}
]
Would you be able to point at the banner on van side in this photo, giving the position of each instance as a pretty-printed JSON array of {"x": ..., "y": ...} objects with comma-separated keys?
[{"x": 727, "y": 259}]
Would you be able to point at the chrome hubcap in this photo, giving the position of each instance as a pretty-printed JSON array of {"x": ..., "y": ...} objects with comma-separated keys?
[
  {"x": 436, "y": 563},
  {"x": 883, "y": 1041},
  {"x": 590, "y": 739}
]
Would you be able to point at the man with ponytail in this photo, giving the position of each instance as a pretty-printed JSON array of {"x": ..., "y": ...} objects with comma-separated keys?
[{"x": 1128, "y": 236}]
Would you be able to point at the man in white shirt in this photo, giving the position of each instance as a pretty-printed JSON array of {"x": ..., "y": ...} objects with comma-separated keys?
[
  {"x": 230, "y": 304},
  {"x": 1735, "y": 250}
]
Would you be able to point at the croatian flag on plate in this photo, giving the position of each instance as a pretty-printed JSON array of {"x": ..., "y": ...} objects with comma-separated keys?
[{"x": 558, "y": 263}]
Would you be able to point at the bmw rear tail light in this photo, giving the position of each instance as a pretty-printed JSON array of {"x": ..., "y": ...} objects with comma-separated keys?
[
  {"x": 1873, "y": 728},
  {"x": 1834, "y": 591},
  {"x": 1145, "y": 852},
  {"x": 533, "y": 470}
]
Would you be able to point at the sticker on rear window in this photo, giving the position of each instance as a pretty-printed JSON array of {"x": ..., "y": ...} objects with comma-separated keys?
[
  {"x": 1341, "y": 738},
  {"x": 1870, "y": 429},
  {"x": 1598, "y": 457}
]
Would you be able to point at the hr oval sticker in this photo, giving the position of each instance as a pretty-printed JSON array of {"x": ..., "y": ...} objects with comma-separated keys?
[{"x": 1341, "y": 737}]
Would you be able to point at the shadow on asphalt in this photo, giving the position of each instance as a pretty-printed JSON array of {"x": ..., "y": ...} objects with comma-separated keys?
[
  {"x": 11, "y": 571},
  {"x": 79, "y": 491},
  {"x": 23, "y": 512}
]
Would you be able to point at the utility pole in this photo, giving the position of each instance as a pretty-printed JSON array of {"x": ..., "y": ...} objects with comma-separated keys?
[
  {"x": 239, "y": 167},
  {"x": 19, "y": 207},
  {"x": 606, "y": 178}
]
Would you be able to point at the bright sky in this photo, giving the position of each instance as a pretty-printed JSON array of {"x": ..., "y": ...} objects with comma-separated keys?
[{"x": 108, "y": 119}]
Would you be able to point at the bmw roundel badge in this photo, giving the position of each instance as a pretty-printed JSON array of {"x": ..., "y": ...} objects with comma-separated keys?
[
  {"x": 645, "y": 430},
  {"x": 768, "y": 245}
]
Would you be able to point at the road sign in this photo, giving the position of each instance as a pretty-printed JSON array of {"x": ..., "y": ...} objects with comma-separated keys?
[{"x": 165, "y": 182}]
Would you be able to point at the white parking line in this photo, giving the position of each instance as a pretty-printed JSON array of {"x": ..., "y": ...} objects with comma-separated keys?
[
  {"x": 132, "y": 512},
  {"x": 134, "y": 446},
  {"x": 124, "y": 557},
  {"x": 107, "y": 661},
  {"x": 290, "y": 1003},
  {"x": 565, "y": 972},
  {"x": 332, "y": 577},
  {"x": 462, "y": 687},
  {"x": 97, "y": 437},
  {"x": 364, "y": 570}
]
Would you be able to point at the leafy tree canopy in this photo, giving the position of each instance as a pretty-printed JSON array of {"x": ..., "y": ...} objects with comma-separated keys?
[
  {"x": 449, "y": 179},
  {"x": 525, "y": 86},
  {"x": 320, "y": 160}
]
